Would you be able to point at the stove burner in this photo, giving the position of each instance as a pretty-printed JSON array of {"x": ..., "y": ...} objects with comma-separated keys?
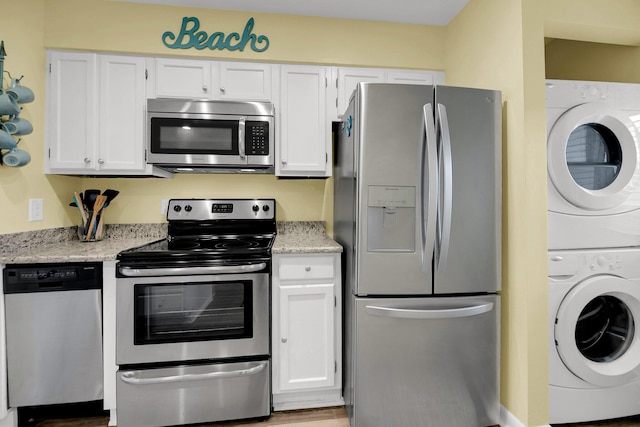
[
  {"x": 235, "y": 244},
  {"x": 183, "y": 245}
]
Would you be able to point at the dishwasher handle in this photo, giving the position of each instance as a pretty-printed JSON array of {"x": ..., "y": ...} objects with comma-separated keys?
[
  {"x": 436, "y": 313},
  {"x": 131, "y": 377}
]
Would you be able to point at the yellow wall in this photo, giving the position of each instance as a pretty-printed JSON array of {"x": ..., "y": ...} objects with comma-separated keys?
[
  {"x": 578, "y": 60},
  {"x": 499, "y": 45},
  {"x": 23, "y": 35},
  {"x": 598, "y": 21},
  {"x": 104, "y": 25}
]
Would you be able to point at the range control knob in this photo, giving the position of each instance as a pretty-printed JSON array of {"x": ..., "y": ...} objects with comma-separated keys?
[
  {"x": 188, "y": 208},
  {"x": 265, "y": 208},
  {"x": 177, "y": 208},
  {"x": 255, "y": 208}
]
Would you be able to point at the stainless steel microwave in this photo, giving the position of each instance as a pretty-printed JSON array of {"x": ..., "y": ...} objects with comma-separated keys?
[{"x": 202, "y": 136}]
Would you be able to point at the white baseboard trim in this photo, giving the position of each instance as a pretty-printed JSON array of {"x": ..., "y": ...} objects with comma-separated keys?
[{"x": 507, "y": 419}]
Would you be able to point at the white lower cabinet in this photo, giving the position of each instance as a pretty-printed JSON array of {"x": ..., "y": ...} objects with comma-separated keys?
[{"x": 307, "y": 324}]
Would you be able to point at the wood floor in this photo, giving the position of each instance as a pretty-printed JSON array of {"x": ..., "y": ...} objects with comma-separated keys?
[
  {"x": 621, "y": 422},
  {"x": 325, "y": 417}
]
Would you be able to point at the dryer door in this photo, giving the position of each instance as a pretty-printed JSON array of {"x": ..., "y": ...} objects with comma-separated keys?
[
  {"x": 597, "y": 332},
  {"x": 592, "y": 156}
]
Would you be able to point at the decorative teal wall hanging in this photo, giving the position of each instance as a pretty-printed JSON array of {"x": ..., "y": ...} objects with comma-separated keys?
[
  {"x": 190, "y": 37},
  {"x": 11, "y": 125}
]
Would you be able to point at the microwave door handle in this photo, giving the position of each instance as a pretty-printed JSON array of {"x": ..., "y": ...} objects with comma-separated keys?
[
  {"x": 241, "y": 131},
  {"x": 130, "y": 377}
]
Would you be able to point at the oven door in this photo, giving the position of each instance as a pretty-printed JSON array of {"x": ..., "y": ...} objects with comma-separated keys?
[{"x": 180, "y": 314}]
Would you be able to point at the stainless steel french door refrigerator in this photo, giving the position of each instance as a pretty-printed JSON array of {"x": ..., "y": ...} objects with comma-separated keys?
[{"x": 418, "y": 210}]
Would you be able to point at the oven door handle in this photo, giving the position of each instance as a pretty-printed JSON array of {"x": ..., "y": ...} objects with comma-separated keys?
[
  {"x": 185, "y": 271},
  {"x": 131, "y": 377}
]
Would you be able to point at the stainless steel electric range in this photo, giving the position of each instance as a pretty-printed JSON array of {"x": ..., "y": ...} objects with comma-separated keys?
[{"x": 193, "y": 316}]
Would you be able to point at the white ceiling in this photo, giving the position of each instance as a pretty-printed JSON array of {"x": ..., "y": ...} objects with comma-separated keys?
[{"x": 427, "y": 12}]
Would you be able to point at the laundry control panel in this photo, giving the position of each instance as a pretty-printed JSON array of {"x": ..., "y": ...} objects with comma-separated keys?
[
  {"x": 605, "y": 262},
  {"x": 572, "y": 263}
]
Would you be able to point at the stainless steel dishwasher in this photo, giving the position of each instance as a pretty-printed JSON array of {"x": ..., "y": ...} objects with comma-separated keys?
[{"x": 54, "y": 333}]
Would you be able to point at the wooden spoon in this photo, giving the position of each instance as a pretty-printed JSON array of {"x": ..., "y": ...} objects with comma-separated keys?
[{"x": 97, "y": 207}]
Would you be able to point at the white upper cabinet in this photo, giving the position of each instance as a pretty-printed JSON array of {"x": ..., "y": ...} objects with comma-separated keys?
[
  {"x": 121, "y": 107},
  {"x": 71, "y": 111},
  {"x": 205, "y": 79},
  {"x": 303, "y": 146},
  {"x": 348, "y": 78},
  {"x": 244, "y": 80},
  {"x": 95, "y": 115},
  {"x": 415, "y": 77},
  {"x": 180, "y": 78},
  {"x": 96, "y": 106}
]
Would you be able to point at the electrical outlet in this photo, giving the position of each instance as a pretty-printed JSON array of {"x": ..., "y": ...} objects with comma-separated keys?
[
  {"x": 36, "y": 210},
  {"x": 164, "y": 205}
]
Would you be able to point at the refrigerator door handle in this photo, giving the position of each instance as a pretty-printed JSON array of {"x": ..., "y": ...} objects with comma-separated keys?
[
  {"x": 446, "y": 194},
  {"x": 429, "y": 185},
  {"x": 437, "y": 313}
]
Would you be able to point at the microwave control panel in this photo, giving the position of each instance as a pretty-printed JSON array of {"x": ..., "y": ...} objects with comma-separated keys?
[{"x": 257, "y": 138}]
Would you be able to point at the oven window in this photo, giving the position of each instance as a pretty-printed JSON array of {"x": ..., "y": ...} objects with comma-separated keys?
[
  {"x": 181, "y": 312},
  {"x": 194, "y": 136}
]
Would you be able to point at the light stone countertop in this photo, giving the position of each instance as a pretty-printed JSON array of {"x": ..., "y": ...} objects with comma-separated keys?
[
  {"x": 61, "y": 244},
  {"x": 304, "y": 237}
]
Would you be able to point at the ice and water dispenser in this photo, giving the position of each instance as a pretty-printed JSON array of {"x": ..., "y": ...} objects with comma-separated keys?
[{"x": 391, "y": 219}]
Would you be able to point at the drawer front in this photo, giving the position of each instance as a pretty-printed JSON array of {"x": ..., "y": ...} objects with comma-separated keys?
[
  {"x": 193, "y": 394},
  {"x": 308, "y": 268}
]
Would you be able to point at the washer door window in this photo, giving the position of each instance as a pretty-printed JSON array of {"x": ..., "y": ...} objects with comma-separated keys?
[
  {"x": 593, "y": 156},
  {"x": 597, "y": 333}
]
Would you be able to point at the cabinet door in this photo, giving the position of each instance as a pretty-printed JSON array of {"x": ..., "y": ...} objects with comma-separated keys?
[
  {"x": 348, "y": 78},
  {"x": 305, "y": 147},
  {"x": 306, "y": 342},
  {"x": 244, "y": 81},
  {"x": 122, "y": 104},
  {"x": 182, "y": 78},
  {"x": 414, "y": 77},
  {"x": 71, "y": 112}
]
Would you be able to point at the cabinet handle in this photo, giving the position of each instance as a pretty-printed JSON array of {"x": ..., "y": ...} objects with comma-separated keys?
[
  {"x": 100, "y": 161},
  {"x": 205, "y": 88},
  {"x": 307, "y": 269},
  {"x": 283, "y": 339},
  {"x": 284, "y": 163},
  {"x": 87, "y": 160},
  {"x": 222, "y": 89}
]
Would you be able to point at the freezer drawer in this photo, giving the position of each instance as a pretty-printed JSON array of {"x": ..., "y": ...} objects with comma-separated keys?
[
  {"x": 193, "y": 394},
  {"x": 426, "y": 362}
]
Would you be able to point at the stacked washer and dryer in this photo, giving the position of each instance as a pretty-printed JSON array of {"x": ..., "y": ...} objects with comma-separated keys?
[{"x": 593, "y": 162}]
